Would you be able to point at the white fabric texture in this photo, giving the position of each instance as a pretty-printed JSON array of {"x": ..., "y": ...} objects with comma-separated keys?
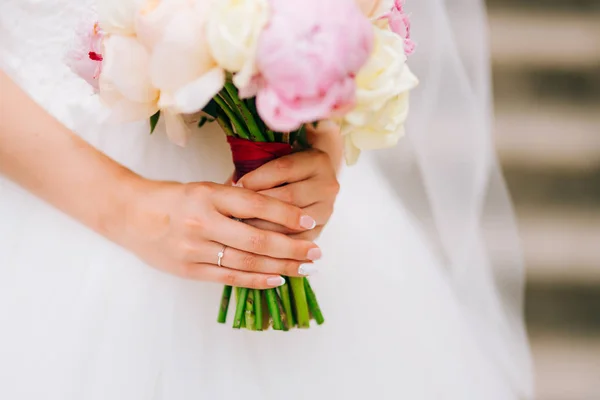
[{"x": 82, "y": 319}]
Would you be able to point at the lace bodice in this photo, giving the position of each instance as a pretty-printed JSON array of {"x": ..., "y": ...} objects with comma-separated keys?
[{"x": 34, "y": 39}]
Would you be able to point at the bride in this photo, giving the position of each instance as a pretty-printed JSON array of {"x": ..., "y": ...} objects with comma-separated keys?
[{"x": 109, "y": 240}]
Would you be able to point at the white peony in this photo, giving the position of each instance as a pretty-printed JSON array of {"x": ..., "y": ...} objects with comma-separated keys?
[
  {"x": 377, "y": 121},
  {"x": 125, "y": 84},
  {"x": 153, "y": 18},
  {"x": 232, "y": 31},
  {"x": 157, "y": 58},
  {"x": 118, "y": 16},
  {"x": 182, "y": 66}
]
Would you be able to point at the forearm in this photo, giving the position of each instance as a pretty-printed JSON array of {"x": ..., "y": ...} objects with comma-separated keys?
[{"x": 44, "y": 157}]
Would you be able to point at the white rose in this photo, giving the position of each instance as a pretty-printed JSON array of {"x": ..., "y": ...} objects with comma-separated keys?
[
  {"x": 118, "y": 16},
  {"x": 232, "y": 29},
  {"x": 377, "y": 121},
  {"x": 375, "y": 8}
]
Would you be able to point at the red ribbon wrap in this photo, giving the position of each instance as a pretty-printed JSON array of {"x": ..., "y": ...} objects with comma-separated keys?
[{"x": 249, "y": 155}]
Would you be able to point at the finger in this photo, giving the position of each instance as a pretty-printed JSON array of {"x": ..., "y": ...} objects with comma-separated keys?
[
  {"x": 301, "y": 194},
  {"x": 289, "y": 169},
  {"x": 269, "y": 226},
  {"x": 322, "y": 213},
  {"x": 245, "y": 204},
  {"x": 309, "y": 235},
  {"x": 231, "y": 277},
  {"x": 241, "y": 236},
  {"x": 249, "y": 262},
  {"x": 208, "y": 253}
]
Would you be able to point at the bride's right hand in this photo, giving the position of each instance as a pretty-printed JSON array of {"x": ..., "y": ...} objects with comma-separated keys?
[{"x": 181, "y": 228}]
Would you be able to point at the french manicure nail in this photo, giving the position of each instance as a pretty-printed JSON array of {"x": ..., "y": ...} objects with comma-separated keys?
[
  {"x": 275, "y": 282},
  {"x": 314, "y": 254},
  {"x": 307, "y": 222},
  {"x": 308, "y": 269},
  {"x": 238, "y": 184}
]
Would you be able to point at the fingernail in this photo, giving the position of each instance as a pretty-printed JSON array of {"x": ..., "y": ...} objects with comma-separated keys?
[
  {"x": 307, "y": 222},
  {"x": 238, "y": 184},
  {"x": 275, "y": 282},
  {"x": 314, "y": 254},
  {"x": 308, "y": 269}
]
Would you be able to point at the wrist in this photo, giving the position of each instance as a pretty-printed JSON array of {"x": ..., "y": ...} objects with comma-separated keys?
[
  {"x": 121, "y": 198},
  {"x": 142, "y": 216}
]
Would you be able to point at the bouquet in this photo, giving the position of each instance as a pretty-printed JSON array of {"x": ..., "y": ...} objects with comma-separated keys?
[{"x": 263, "y": 70}]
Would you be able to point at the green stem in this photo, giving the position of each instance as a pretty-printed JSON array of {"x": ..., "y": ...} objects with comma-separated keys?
[
  {"x": 284, "y": 320},
  {"x": 233, "y": 117},
  {"x": 274, "y": 309},
  {"x": 245, "y": 113},
  {"x": 249, "y": 312},
  {"x": 224, "y": 304},
  {"x": 251, "y": 103},
  {"x": 258, "y": 314},
  {"x": 286, "y": 299},
  {"x": 313, "y": 304},
  {"x": 302, "y": 138},
  {"x": 224, "y": 122},
  {"x": 299, "y": 294},
  {"x": 240, "y": 308}
]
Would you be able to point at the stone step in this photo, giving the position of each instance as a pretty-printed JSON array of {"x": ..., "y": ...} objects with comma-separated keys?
[
  {"x": 561, "y": 247},
  {"x": 541, "y": 37},
  {"x": 556, "y": 189},
  {"x": 541, "y": 86},
  {"x": 566, "y": 368},
  {"x": 548, "y": 137},
  {"x": 542, "y": 5}
]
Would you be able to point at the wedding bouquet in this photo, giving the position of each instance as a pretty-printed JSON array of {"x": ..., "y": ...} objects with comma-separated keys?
[{"x": 263, "y": 70}]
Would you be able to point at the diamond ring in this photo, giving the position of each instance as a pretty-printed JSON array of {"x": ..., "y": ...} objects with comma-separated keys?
[{"x": 220, "y": 256}]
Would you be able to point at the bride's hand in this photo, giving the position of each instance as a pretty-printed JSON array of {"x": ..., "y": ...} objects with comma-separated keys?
[
  {"x": 306, "y": 179},
  {"x": 181, "y": 229}
]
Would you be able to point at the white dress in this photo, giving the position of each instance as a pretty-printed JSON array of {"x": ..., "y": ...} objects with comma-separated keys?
[{"x": 82, "y": 319}]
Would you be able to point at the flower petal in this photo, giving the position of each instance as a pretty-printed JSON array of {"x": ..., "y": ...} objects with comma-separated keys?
[
  {"x": 129, "y": 111},
  {"x": 154, "y": 17},
  {"x": 126, "y": 68},
  {"x": 118, "y": 16},
  {"x": 408, "y": 80},
  {"x": 351, "y": 152},
  {"x": 368, "y": 140},
  {"x": 177, "y": 130},
  {"x": 195, "y": 96},
  {"x": 182, "y": 56}
]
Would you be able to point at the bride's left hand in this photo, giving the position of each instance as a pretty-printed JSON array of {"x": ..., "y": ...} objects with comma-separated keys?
[{"x": 306, "y": 179}]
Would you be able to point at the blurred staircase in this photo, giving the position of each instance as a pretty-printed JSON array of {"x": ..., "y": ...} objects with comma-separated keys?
[{"x": 546, "y": 57}]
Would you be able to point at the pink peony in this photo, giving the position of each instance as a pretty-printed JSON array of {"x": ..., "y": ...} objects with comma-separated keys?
[
  {"x": 86, "y": 58},
  {"x": 400, "y": 24},
  {"x": 307, "y": 60}
]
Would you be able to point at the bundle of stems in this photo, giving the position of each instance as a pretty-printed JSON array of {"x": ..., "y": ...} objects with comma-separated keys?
[{"x": 293, "y": 304}]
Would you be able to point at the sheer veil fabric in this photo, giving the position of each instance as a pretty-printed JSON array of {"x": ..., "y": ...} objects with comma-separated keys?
[
  {"x": 448, "y": 175},
  {"x": 418, "y": 304}
]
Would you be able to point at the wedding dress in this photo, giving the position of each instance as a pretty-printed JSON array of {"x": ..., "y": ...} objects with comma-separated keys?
[{"x": 82, "y": 319}]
